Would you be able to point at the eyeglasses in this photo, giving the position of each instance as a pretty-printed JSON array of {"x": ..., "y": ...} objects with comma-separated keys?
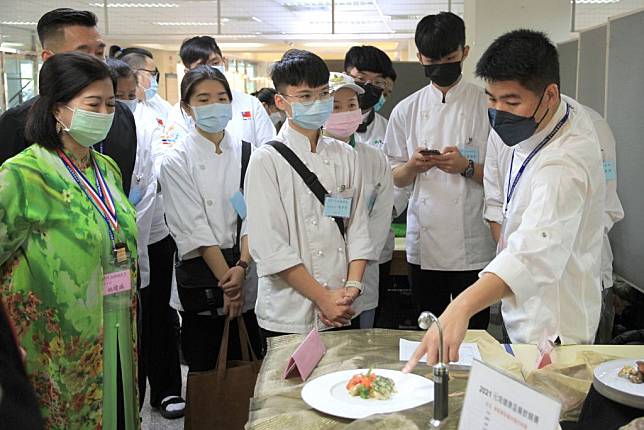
[
  {"x": 378, "y": 82},
  {"x": 153, "y": 73},
  {"x": 309, "y": 99}
]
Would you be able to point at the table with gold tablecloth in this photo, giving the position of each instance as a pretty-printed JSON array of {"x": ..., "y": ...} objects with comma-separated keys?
[{"x": 277, "y": 403}]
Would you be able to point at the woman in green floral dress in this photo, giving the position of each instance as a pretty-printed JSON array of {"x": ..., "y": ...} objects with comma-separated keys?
[{"x": 68, "y": 253}]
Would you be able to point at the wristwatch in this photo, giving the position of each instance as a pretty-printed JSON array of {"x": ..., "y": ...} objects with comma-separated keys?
[
  {"x": 469, "y": 170},
  {"x": 243, "y": 265}
]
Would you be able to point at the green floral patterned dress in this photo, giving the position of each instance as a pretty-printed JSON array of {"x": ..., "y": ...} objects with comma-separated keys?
[{"x": 54, "y": 249}]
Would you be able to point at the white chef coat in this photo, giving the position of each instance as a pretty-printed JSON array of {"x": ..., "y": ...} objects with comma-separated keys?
[
  {"x": 197, "y": 186},
  {"x": 250, "y": 120},
  {"x": 497, "y": 162},
  {"x": 375, "y": 136},
  {"x": 445, "y": 226},
  {"x": 160, "y": 106},
  {"x": 144, "y": 184},
  {"x": 554, "y": 232},
  {"x": 377, "y": 178},
  {"x": 286, "y": 226}
]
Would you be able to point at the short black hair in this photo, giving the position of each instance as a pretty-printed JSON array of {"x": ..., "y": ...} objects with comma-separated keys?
[
  {"x": 198, "y": 48},
  {"x": 299, "y": 67},
  {"x": 440, "y": 35},
  {"x": 199, "y": 74},
  {"x": 61, "y": 78},
  {"x": 266, "y": 95},
  {"x": 368, "y": 59},
  {"x": 133, "y": 56},
  {"x": 119, "y": 70},
  {"x": 52, "y": 24},
  {"x": 525, "y": 56}
]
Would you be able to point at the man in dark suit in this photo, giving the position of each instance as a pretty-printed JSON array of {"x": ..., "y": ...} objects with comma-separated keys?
[{"x": 65, "y": 30}]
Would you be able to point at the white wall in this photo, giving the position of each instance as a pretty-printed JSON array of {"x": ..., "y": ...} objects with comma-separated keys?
[{"x": 485, "y": 20}]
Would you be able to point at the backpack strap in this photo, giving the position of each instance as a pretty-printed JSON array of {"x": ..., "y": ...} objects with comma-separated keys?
[
  {"x": 246, "y": 150},
  {"x": 309, "y": 178}
]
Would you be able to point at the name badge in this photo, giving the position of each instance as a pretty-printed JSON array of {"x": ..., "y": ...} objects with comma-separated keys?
[
  {"x": 471, "y": 154},
  {"x": 116, "y": 282},
  {"x": 609, "y": 170},
  {"x": 239, "y": 203},
  {"x": 338, "y": 204},
  {"x": 136, "y": 194}
]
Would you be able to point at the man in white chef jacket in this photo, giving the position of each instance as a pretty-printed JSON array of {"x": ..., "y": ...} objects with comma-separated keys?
[
  {"x": 448, "y": 242},
  {"x": 497, "y": 162},
  {"x": 547, "y": 271},
  {"x": 309, "y": 274},
  {"x": 250, "y": 121}
]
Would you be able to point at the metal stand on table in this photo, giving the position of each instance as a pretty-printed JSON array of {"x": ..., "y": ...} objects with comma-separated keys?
[{"x": 440, "y": 373}]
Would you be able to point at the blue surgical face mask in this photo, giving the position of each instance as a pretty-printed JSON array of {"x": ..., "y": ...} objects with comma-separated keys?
[
  {"x": 131, "y": 104},
  {"x": 152, "y": 91},
  {"x": 514, "y": 129},
  {"x": 212, "y": 118},
  {"x": 380, "y": 104},
  {"x": 312, "y": 116},
  {"x": 220, "y": 67}
]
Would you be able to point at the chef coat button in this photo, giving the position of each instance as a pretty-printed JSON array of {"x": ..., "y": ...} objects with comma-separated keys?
[
  {"x": 325, "y": 285},
  {"x": 314, "y": 222},
  {"x": 320, "y": 252},
  {"x": 209, "y": 202},
  {"x": 424, "y": 228},
  {"x": 308, "y": 191},
  {"x": 424, "y": 201},
  {"x": 343, "y": 280},
  {"x": 455, "y": 201},
  {"x": 326, "y": 161},
  {"x": 340, "y": 250}
]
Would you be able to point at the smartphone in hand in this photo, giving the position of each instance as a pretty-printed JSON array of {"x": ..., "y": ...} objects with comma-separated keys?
[{"x": 427, "y": 152}]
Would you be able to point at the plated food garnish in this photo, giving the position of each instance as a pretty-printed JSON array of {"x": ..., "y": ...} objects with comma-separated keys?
[
  {"x": 371, "y": 386},
  {"x": 635, "y": 374}
]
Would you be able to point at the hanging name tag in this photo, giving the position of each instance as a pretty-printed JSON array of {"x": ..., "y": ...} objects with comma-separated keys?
[
  {"x": 116, "y": 282},
  {"x": 338, "y": 204},
  {"x": 471, "y": 154},
  {"x": 238, "y": 202},
  {"x": 494, "y": 400},
  {"x": 609, "y": 170}
]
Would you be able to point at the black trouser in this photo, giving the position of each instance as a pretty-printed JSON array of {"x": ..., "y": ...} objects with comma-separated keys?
[
  {"x": 201, "y": 337},
  {"x": 265, "y": 334},
  {"x": 433, "y": 290},
  {"x": 384, "y": 283},
  {"x": 159, "y": 357}
]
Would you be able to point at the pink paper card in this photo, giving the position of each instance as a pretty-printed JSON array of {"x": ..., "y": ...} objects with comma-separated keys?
[
  {"x": 305, "y": 357},
  {"x": 116, "y": 282},
  {"x": 545, "y": 347}
]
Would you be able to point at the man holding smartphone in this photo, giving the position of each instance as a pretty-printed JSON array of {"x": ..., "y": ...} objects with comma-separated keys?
[{"x": 436, "y": 140}]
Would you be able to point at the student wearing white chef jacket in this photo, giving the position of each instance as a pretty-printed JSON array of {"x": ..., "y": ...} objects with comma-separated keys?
[
  {"x": 548, "y": 269},
  {"x": 309, "y": 273},
  {"x": 370, "y": 67},
  {"x": 377, "y": 179},
  {"x": 435, "y": 141},
  {"x": 200, "y": 177},
  {"x": 142, "y": 62},
  {"x": 250, "y": 121},
  {"x": 158, "y": 356},
  {"x": 497, "y": 162}
]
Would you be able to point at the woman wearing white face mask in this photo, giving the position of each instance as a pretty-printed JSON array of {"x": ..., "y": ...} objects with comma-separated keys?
[
  {"x": 201, "y": 178},
  {"x": 378, "y": 183},
  {"x": 267, "y": 97}
]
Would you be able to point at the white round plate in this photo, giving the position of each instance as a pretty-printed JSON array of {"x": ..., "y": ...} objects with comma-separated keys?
[
  {"x": 328, "y": 394},
  {"x": 621, "y": 390}
]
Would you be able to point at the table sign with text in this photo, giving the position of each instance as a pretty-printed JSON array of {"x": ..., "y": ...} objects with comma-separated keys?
[{"x": 494, "y": 400}]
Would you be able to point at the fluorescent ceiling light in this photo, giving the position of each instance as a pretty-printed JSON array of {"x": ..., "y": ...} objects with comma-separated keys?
[
  {"x": 239, "y": 46},
  {"x": 594, "y": 1},
  {"x": 18, "y": 23},
  {"x": 185, "y": 23},
  {"x": 150, "y": 5},
  {"x": 254, "y": 18},
  {"x": 12, "y": 44}
]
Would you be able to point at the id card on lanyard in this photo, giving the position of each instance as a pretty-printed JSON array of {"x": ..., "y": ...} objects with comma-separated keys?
[
  {"x": 117, "y": 277},
  {"x": 512, "y": 184}
]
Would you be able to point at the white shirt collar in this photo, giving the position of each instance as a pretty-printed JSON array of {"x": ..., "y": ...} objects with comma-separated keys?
[
  {"x": 437, "y": 96},
  {"x": 298, "y": 141},
  {"x": 530, "y": 143},
  {"x": 206, "y": 144}
]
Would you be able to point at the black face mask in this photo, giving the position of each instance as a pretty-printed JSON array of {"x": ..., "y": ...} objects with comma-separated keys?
[
  {"x": 370, "y": 97},
  {"x": 445, "y": 74},
  {"x": 514, "y": 129}
]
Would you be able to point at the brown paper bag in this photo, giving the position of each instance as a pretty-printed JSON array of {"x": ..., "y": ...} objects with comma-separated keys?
[{"x": 219, "y": 398}]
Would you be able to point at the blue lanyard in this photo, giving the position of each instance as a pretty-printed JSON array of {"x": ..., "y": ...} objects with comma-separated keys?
[
  {"x": 534, "y": 152},
  {"x": 75, "y": 172}
]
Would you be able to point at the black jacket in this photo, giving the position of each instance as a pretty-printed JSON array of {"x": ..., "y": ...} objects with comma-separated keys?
[{"x": 120, "y": 143}]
